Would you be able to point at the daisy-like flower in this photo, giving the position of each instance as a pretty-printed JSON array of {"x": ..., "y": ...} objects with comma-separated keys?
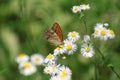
[
  {"x": 99, "y": 26},
  {"x": 106, "y": 24},
  {"x": 97, "y": 30},
  {"x": 65, "y": 73},
  {"x": 100, "y": 32},
  {"x": 22, "y": 58},
  {"x": 52, "y": 69},
  {"x": 111, "y": 34},
  {"x": 96, "y": 34},
  {"x": 75, "y": 9},
  {"x": 87, "y": 50},
  {"x": 27, "y": 68},
  {"x": 50, "y": 59},
  {"x": 37, "y": 59},
  {"x": 54, "y": 78},
  {"x": 103, "y": 34},
  {"x": 85, "y": 7},
  {"x": 70, "y": 47},
  {"x": 60, "y": 50},
  {"x": 86, "y": 38},
  {"x": 73, "y": 36}
]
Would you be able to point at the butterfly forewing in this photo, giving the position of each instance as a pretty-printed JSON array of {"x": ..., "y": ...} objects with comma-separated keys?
[
  {"x": 54, "y": 35},
  {"x": 56, "y": 28}
]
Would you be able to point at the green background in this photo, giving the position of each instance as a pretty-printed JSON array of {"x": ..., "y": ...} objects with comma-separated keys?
[{"x": 23, "y": 24}]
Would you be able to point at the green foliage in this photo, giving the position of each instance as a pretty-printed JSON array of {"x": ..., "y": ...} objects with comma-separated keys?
[{"x": 23, "y": 24}]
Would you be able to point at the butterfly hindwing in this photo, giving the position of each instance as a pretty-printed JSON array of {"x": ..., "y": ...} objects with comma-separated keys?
[{"x": 54, "y": 35}]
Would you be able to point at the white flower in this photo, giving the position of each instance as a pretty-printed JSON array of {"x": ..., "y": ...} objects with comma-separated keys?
[
  {"x": 48, "y": 70},
  {"x": 75, "y": 9},
  {"x": 64, "y": 57},
  {"x": 27, "y": 68},
  {"x": 87, "y": 50},
  {"x": 86, "y": 38},
  {"x": 52, "y": 69},
  {"x": 65, "y": 73},
  {"x": 50, "y": 59},
  {"x": 73, "y": 36},
  {"x": 70, "y": 47},
  {"x": 96, "y": 34},
  {"x": 111, "y": 34},
  {"x": 97, "y": 30},
  {"x": 85, "y": 7},
  {"x": 100, "y": 32},
  {"x": 103, "y": 34},
  {"x": 22, "y": 58},
  {"x": 54, "y": 78},
  {"x": 60, "y": 50},
  {"x": 106, "y": 24},
  {"x": 99, "y": 26},
  {"x": 37, "y": 59}
]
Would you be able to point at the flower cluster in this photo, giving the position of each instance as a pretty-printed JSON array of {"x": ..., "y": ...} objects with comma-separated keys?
[
  {"x": 101, "y": 32},
  {"x": 69, "y": 46},
  {"x": 80, "y": 8},
  {"x": 87, "y": 47},
  {"x": 57, "y": 71},
  {"x": 27, "y": 65}
]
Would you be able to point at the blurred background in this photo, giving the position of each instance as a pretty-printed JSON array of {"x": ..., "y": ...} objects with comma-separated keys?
[{"x": 23, "y": 24}]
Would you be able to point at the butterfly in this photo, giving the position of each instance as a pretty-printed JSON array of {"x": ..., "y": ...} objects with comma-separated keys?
[{"x": 54, "y": 35}]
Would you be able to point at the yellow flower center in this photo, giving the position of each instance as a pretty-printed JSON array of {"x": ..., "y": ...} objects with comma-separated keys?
[
  {"x": 75, "y": 9},
  {"x": 27, "y": 65},
  {"x": 103, "y": 32},
  {"x": 69, "y": 46},
  {"x": 48, "y": 71},
  {"x": 50, "y": 56},
  {"x": 73, "y": 34},
  {"x": 37, "y": 59},
  {"x": 22, "y": 55},
  {"x": 96, "y": 32},
  {"x": 85, "y": 5},
  {"x": 61, "y": 46},
  {"x": 87, "y": 49},
  {"x": 58, "y": 48},
  {"x": 111, "y": 32},
  {"x": 64, "y": 74}
]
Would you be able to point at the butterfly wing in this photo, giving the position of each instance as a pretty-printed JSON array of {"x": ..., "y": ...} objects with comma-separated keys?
[
  {"x": 54, "y": 35},
  {"x": 56, "y": 28}
]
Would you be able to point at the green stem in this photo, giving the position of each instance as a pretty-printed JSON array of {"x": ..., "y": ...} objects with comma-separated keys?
[
  {"x": 115, "y": 73},
  {"x": 95, "y": 73},
  {"x": 83, "y": 18},
  {"x": 84, "y": 21},
  {"x": 83, "y": 15},
  {"x": 99, "y": 52},
  {"x": 96, "y": 76}
]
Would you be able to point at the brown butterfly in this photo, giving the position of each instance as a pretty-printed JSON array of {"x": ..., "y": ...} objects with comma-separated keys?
[{"x": 54, "y": 35}]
